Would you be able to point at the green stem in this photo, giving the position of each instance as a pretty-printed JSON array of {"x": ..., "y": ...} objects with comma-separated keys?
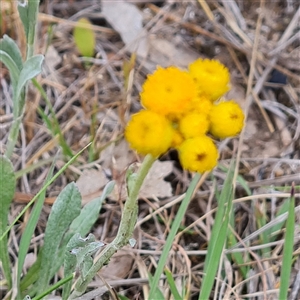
[
  {"x": 128, "y": 221},
  {"x": 54, "y": 287},
  {"x": 13, "y": 136},
  {"x": 169, "y": 242}
]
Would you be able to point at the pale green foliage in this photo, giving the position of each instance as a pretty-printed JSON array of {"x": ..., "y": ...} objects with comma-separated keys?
[
  {"x": 7, "y": 190},
  {"x": 65, "y": 209},
  {"x": 84, "y": 38}
]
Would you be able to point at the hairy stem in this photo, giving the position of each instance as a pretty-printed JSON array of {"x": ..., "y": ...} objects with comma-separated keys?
[{"x": 128, "y": 221}]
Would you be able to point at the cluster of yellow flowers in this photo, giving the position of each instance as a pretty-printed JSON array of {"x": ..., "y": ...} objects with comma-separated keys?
[{"x": 180, "y": 108}]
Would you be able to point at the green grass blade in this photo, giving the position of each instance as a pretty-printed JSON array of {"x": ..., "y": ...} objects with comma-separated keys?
[
  {"x": 154, "y": 290},
  {"x": 123, "y": 297},
  {"x": 168, "y": 245},
  {"x": 218, "y": 236},
  {"x": 288, "y": 249},
  {"x": 240, "y": 180},
  {"x": 222, "y": 206},
  {"x": 7, "y": 190},
  {"x": 261, "y": 220},
  {"x": 237, "y": 257},
  {"x": 172, "y": 285},
  {"x": 30, "y": 226},
  {"x": 33, "y": 167},
  {"x": 53, "y": 125},
  {"x": 32, "y": 274},
  {"x": 275, "y": 230},
  {"x": 54, "y": 287}
]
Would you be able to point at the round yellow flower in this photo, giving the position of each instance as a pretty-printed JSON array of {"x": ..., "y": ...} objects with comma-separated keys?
[
  {"x": 177, "y": 139},
  {"x": 201, "y": 104},
  {"x": 226, "y": 119},
  {"x": 211, "y": 77},
  {"x": 168, "y": 92},
  {"x": 194, "y": 124},
  {"x": 198, "y": 154},
  {"x": 149, "y": 133}
]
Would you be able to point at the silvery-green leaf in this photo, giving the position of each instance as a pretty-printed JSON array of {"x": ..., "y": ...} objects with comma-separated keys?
[
  {"x": 7, "y": 190},
  {"x": 9, "y": 46},
  {"x": 64, "y": 210},
  {"x": 12, "y": 67},
  {"x": 31, "y": 68}
]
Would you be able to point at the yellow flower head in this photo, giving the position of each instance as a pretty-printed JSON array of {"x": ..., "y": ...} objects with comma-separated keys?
[
  {"x": 226, "y": 119},
  {"x": 149, "y": 133},
  {"x": 194, "y": 124},
  {"x": 211, "y": 77},
  {"x": 198, "y": 154},
  {"x": 201, "y": 104},
  {"x": 177, "y": 139},
  {"x": 168, "y": 92}
]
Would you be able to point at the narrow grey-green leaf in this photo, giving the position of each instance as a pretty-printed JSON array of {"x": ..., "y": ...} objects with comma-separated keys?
[
  {"x": 84, "y": 222},
  {"x": 23, "y": 13},
  {"x": 7, "y": 187},
  {"x": 87, "y": 251},
  {"x": 90, "y": 212},
  {"x": 64, "y": 210},
  {"x": 30, "y": 226},
  {"x": 31, "y": 68},
  {"x": 7, "y": 190},
  {"x": 70, "y": 260},
  {"x": 9, "y": 46},
  {"x": 84, "y": 256},
  {"x": 78, "y": 255},
  {"x": 12, "y": 67}
]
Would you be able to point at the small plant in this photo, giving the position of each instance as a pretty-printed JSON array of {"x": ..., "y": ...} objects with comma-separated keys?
[{"x": 182, "y": 109}]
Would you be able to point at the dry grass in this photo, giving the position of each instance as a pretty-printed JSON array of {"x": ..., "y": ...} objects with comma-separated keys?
[{"x": 253, "y": 39}]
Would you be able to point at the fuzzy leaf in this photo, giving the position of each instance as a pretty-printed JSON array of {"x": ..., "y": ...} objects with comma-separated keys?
[
  {"x": 31, "y": 68},
  {"x": 70, "y": 260},
  {"x": 30, "y": 226},
  {"x": 11, "y": 66},
  {"x": 7, "y": 190},
  {"x": 65, "y": 209},
  {"x": 9, "y": 46},
  {"x": 28, "y": 11},
  {"x": 90, "y": 212}
]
